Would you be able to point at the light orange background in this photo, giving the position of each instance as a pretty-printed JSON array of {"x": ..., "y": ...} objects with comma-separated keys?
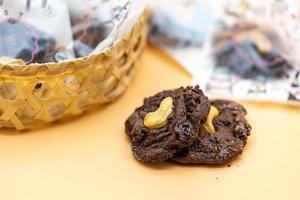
[{"x": 90, "y": 157}]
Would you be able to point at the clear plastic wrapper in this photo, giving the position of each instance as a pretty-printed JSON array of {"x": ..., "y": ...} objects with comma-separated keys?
[
  {"x": 96, "y": 23},
  {"x": 41, "y": 31},
  {"x": 249, "y": 64},
  {"x": 284, "y": 16},
  {"x": 181, "y": 22},
  {"x": 93, "y": 21},
  {"x": 123, "y": 25},
  {"x": 32, "y": 30},
  {"x": 250, "y": 51}
]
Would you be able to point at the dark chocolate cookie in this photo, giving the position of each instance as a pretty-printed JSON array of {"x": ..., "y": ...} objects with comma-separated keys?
[
  {"x": 190, "y": 110},
  {"x": 226, "y": 143}
]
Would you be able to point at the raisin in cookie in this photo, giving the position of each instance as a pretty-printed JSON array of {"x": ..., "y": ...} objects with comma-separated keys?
[
  {"x": 166, "y": 123},
  {"x": 227, "y": 142}
]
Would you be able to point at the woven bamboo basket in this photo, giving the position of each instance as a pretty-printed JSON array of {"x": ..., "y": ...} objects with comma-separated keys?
[{"x": 38, "y": 93}]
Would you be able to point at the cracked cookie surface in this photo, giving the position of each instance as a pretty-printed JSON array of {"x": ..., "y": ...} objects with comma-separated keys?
[
  {"x": 190, "y": 110},
  {"x": 232, "y": 130}
]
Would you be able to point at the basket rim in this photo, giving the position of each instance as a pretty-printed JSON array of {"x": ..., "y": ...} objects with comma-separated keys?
[{"x": 69, "y": 63}]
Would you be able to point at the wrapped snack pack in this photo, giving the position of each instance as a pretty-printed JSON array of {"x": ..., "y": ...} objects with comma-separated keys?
[
  {"x": 31, "y": 30},
  {"x": 124, "y": 19},
  {"x": 93, "y": 21},
  {"x": 41, "y": 31},
  {"x": 187, "y": 23},
  {"x": 96, "y": 23},
  {"x": 249, "y": 63},
  {"x": 249, "y": 52}
]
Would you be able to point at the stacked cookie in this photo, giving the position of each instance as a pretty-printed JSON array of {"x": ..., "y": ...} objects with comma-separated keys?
[{"x": 182, "y": 125}]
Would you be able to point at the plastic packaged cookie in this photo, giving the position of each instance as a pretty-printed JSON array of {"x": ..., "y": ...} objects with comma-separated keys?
[
  {"x": 249, "y": 51},
  {"x": 96, "y": 23},
  {"x": 31, "y": 31},
  {"x": 92, "y": 21}
]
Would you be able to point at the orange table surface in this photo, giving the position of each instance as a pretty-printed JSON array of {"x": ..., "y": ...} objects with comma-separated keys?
[{"x": 90, "y": 157}]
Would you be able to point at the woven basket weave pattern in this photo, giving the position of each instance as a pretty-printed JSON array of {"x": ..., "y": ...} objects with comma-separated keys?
[{"x": 30, "y": 94}]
